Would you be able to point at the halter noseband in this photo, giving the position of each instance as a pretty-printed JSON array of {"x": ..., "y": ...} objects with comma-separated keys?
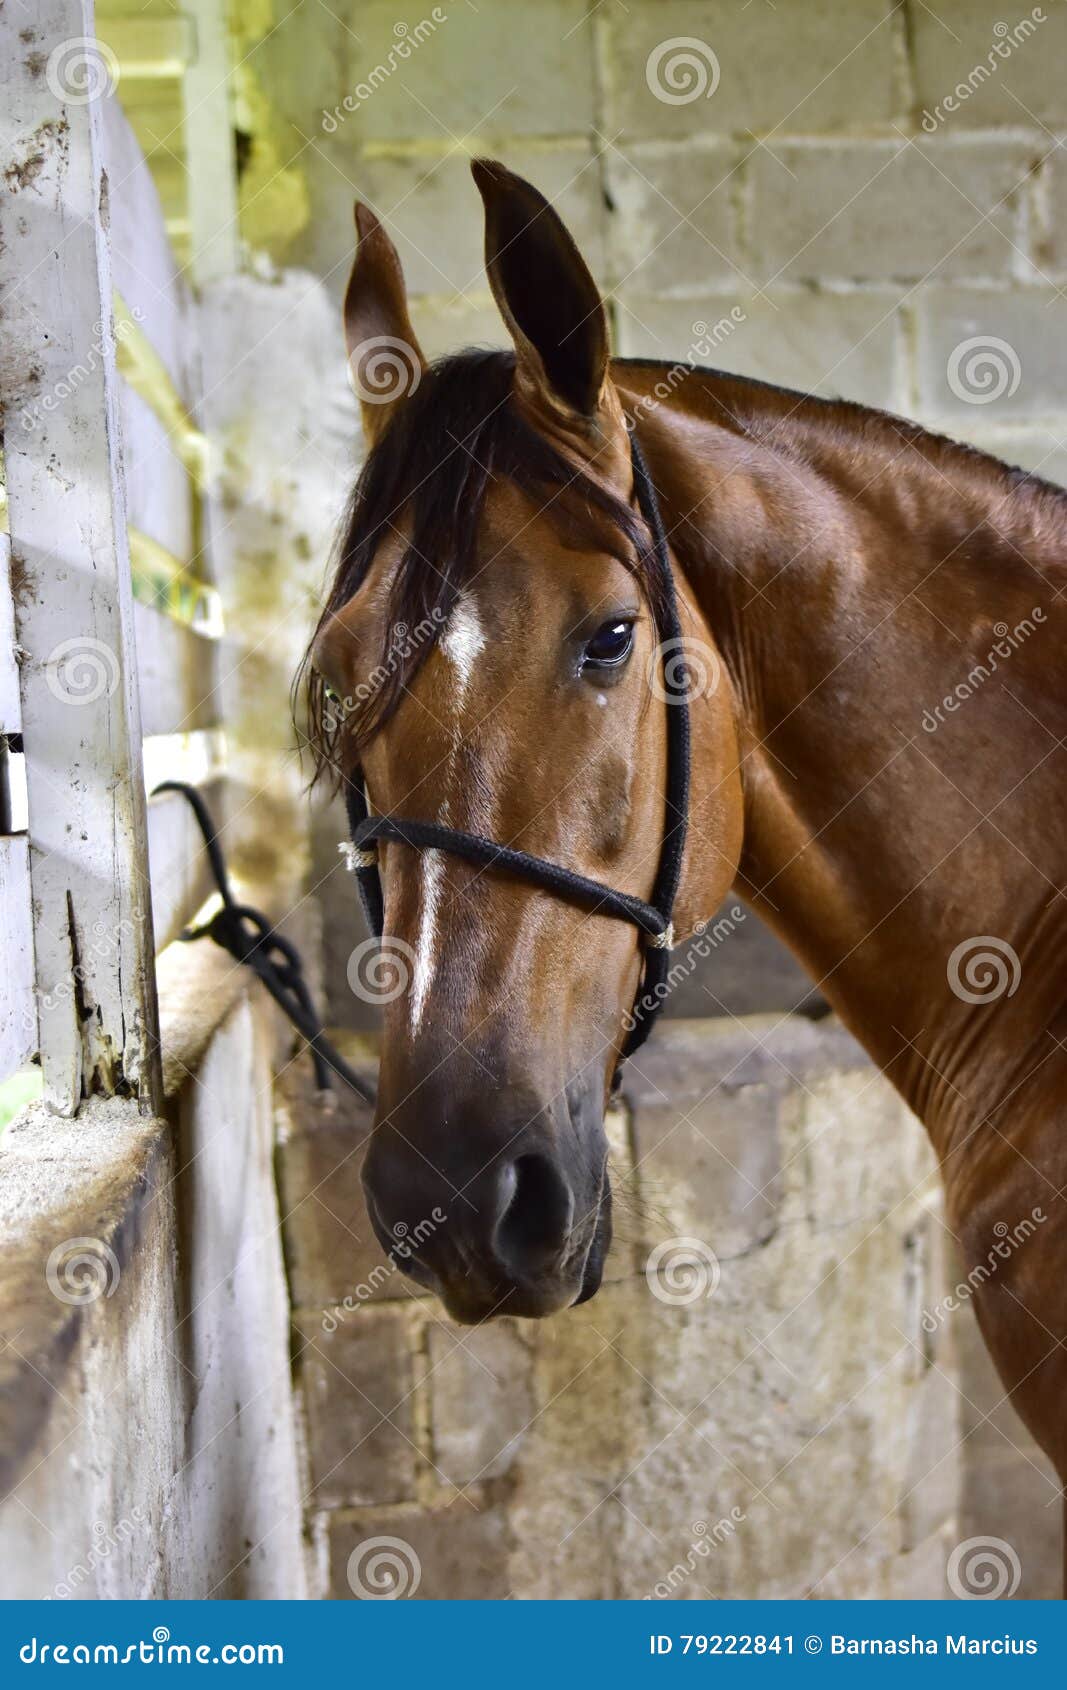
[{"x": 653, "y": 920}]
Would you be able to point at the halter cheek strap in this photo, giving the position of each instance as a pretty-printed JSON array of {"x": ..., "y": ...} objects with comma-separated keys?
[{"x": 652, "y": 919}]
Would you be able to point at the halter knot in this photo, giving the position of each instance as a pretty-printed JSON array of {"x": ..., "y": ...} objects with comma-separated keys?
[
  {"x": 356, "y": 857},
  {"x": 663, "y": 941}
]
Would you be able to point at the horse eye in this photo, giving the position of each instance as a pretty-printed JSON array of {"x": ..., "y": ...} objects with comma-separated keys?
[{"x": 609, "y": 646}]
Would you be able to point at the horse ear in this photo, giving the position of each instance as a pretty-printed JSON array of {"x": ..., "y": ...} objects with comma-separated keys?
[
  {"x": 385, "y": 362},
  {"x": 546, "y": 296}
]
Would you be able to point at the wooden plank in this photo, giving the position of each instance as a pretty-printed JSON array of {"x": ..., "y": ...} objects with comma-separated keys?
[
  {"x": 160, "y": 498},
  {"x": 73, "y": 609},
  {"x": 181, "y": 878},
  {"x": 144, "y": 269},
  {"x": 176, "y": 670},
  {"x": 10, "y": 706},
  {"x": 18, "y": 1013},
  {"x": 210, "y": 157},
  {"x": 141, "y": 366}
]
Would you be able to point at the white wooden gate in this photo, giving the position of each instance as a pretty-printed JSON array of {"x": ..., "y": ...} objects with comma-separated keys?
[{"x": 108, "y": 619}]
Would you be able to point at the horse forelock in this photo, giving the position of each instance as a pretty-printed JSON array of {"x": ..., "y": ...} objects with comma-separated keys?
[{"x": 425, "y": 486}]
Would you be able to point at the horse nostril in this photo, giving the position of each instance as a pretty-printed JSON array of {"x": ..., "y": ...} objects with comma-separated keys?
[{"x": 536, "y": 1221}]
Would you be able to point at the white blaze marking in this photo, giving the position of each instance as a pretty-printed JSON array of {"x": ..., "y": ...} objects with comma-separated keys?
[
  {"x": 422, "y": 973},
  {"x": 461, "y": 643},
  {"x": 462, "y": 640}
]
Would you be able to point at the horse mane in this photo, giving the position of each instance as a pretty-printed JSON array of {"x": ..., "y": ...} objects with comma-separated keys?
[{"x": 455, "y": 434}]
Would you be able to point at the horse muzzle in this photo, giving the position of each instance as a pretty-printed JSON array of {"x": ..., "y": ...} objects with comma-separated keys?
[{"x": 525, "y": 1235}]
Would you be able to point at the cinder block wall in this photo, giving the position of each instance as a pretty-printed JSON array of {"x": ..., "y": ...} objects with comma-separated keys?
[
  {"x": 773, "y": 1421},
  {"x": 871, "y": 182},
  {"x": 860, "y": 198}
]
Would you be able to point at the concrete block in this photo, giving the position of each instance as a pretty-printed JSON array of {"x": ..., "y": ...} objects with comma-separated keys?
[
  {"x": 358, "y": 1384},
  {"x": 480, "y": 1382},
  {"x": 674, "y": 224},
  {"x": 441, "y": 73},
  {"x": 839, "y": 345},
  {"x": 834, "y": 70},
  {"x": 974, "y": 56},
  {"x": 824, "y": 210},
  {"x": 988, "y": 358}
]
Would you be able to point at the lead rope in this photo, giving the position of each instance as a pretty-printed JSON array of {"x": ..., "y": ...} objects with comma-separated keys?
[
  {"x": 653, "y": 919},
  {"x": 250, "y": 939}
]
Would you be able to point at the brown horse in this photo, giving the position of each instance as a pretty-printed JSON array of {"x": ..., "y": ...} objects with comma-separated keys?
[{"x": 872, "y": 619}]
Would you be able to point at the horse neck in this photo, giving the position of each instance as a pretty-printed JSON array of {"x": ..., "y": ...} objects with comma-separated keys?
[{"x": 855, "y": 573}]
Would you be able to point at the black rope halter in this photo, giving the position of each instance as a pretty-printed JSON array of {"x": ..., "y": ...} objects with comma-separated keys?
[
  {"x": 249, "y": 937},
  {"x": 653, "y": 919}
]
